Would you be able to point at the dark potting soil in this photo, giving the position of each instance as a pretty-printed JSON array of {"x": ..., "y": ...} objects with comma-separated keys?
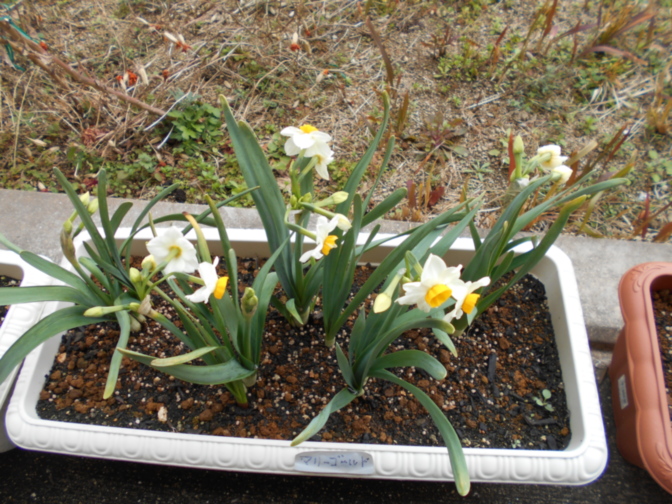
[
  {"x": 6, "y": 281},
  {"x": 492, "y": 394},
  {"x": 662, "y": 308}
]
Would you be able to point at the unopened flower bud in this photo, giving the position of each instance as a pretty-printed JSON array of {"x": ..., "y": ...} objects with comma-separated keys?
[
  {"x": 382, "y": 303},
  {"x": 99, "y": 311},
  {"x": 96, "y": 311},
  {"x": 145, "y": 306},
  {"x": 67, "y": 246},
  {"x": 136, "y": 276},
  {"x": 67, "y": 226},
  {"x": 249, "y": 302},
  {"x": 92, "y": 207},
  {"x": 306, "y": 198},
  {"x": 135, "y": 325},
  {"x": 84, "y": 198},
  {"x": 518, "y": 145},
  {"x": 339, "y": 197},
  {"x": 148, "y": 263}
]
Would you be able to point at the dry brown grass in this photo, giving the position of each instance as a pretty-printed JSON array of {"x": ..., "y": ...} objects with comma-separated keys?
[{"x": 454, "y": 60}]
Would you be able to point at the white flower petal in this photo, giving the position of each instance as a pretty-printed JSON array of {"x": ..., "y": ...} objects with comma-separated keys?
[
  {"x": 208, "y": 273},
  {"x": 303, "y": 140},
  {"x": 290, "y": 131},
  {"x": 555, "y": 160},
  {"x": 316, "y": 253},
  {"x": 164, "y": 244},
  {"x": 564, "y": 172},
  {"x": 291, "y": 148},
  {"x": 343, "y": 222},
  {"x": 313, "y": 144}
]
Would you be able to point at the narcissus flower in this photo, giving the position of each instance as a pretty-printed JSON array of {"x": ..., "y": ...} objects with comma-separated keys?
[
  {"x": 562, "y": 172},
  {"x": 465, "y": 298},
  {"x": 173, "y": 247},
  {"x": 436, "y": 285},
  {"x": 324, "y": 241},
  {"x": 555, "y": 158},
  {"x": 214, "y": 284},
  {"x": 310, "y": 142}
]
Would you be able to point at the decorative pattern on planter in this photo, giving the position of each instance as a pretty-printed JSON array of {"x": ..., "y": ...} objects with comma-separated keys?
[
  {"x": 581, "y": 462},
  {"x": 643, "y": 430},
  {"x": 18, "y": 320}
]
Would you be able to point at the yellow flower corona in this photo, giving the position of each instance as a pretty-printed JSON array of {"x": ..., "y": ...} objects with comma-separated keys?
[
  {"x": 307, "y": 128},
  {"x": 329, "y": 243},
  {"x": 437, "y": 295},
  {"x": 470, "y": 302},
  {"x": 177, "y": 249},
  {"x": 220, "y": 288}
]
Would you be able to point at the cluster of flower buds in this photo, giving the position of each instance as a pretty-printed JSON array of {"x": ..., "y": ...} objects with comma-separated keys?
[{"x": 549, "y": 158}]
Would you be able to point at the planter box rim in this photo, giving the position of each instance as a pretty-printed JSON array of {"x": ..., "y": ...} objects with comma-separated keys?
[
  {"x": 583, "y": 461},
  {"x": 19, "y": 319}
]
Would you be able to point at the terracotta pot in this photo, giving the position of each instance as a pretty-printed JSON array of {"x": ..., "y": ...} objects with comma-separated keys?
[{"x": 639, "y": 400}]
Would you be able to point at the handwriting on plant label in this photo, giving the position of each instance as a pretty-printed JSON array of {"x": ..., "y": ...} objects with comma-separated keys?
[{"x": 335, "y": 462}]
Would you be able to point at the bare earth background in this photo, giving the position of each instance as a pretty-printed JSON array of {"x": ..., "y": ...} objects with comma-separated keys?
[{"x": 557, "y": 72}]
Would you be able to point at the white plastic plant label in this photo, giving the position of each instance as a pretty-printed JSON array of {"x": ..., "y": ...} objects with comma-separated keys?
[{"x": 350, "y": 462}]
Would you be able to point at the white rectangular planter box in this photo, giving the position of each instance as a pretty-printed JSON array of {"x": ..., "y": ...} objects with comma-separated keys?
[
  {"x": 581, "y": 462},
  {"x": 19, "y": 319}
]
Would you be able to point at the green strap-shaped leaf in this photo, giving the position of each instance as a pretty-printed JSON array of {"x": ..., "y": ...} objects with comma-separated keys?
[
  {"x": 410, "y": 358},
  {"x": 11, "y": 295},
  {"x": 389, "y": 265},
  {"x": 93, "y": 268},
  {"x": 213, "y": 374},
  {"x": 382, "y": 341},
  {"x": 291, "y": 308},
  {"x": 525, "y": 262},
  {"x": 384, "y": 206},
  {"x": 565, "y": 197},
  {"x": 105, "y": 216},
  {"x": 55, "y": 323},
  {"x": 386, "y": 159},
  {"x": 54, "y": 271},
  {"x": 84, "y": 215},
  {"x": 119, "y": 215},
  {"x": 343, "y": 398},
  {"x": 444, "y": 338},
  {"x": 166, "y": 323},
  {"x": 457, "y": 460},
  {"x": 124, "y": 320},
  {"x": 182, "y": 359},
  {"x": 268, "y": 199},
  {"x": 4, "y": 241},
  {"x": 442, "y": 247},
  {"x": 346, "y": 369},
  {"x": 165, "y": 192},
  {"x": 358, "y": 171},
  {"x": 258, "y": 321}
]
